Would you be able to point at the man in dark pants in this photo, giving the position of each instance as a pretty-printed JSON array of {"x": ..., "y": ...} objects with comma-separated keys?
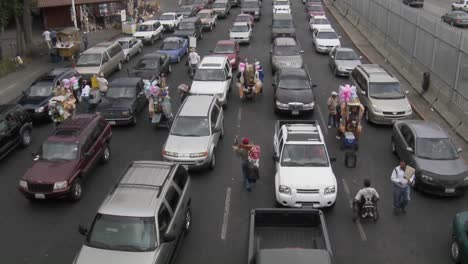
[
  {"x": 402, "y": 178},
  {"x": 242, "y": 150}
]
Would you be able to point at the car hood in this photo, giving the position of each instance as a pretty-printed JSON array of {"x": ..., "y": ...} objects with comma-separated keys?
[
  {"x": 184, "y": 32},
  {"x": 455, "y": 168},
  {"x": 294, "y": 96},
  {"x": 88, "y": 70},
  {"x": 294, "y": 61},
  {"x": 391, "y": 105},
  {"x": 277, "y": 30},
  {"x": 328, "y": 42},
  {"x": 50, "y": 172},
  {"x": 186, "y": 145},
  {"x": 306, "y": 177},
  {"x": 142, "y": 33},
  {"x": 34, "y": 102},
  {"x": 208, "y": 87},
  {"x": 115, "y": 104},
  {"x": 206, "y": 20},
  {"x": 169, "y": 52},
  {"x": 145, "y": 74},
  {"x": 89, "y": 255},
  {"x": 348, "y": 64}
]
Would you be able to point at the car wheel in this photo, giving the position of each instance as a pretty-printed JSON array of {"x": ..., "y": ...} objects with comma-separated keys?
[
  {"x": 26, "y": 138},
  {"x": 127, "y": 59},
  {"x": 455, "y": 251},
  {"x": 106, "y": 154},
  {"x": 213, "y": 160},
  {"x": 76, "y": 190},
  {"x": 188, "y": 221},
  {"x": 139, "y": 50},
  {"x": 367, "y": 115},
  {"x": 134, "y": 120},
  {"x": 119, "y": 66}
]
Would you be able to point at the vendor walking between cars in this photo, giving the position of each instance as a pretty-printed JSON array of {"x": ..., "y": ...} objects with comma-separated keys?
[
  {"x": 332, "y": 103},
  {"x": 402, "y": 178},
  {"x": 242, "y": 150}
]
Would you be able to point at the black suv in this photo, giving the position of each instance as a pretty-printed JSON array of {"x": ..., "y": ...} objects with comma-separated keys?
[
  {"x": 190, "y": 27},
  {"x": 15, "y": 128},
  {"x": 36, "y": 98}
]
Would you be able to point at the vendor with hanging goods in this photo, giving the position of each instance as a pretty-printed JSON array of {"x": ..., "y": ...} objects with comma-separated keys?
[{"x": 351, "y": 111}]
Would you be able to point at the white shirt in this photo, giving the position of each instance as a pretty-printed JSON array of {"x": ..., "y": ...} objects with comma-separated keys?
[
  {"x": 46, "y": 35},
  {"x": 85, "y": 91},
  {"x": 194, "y": 58},
  {"x": 367, "y": 193},
  {"x": 103, "y": 83},
  {"x": 398, "y": 177}
]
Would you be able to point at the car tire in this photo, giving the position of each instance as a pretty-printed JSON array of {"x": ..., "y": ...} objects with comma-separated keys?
[
  {"x": 119, "y": 66},
  {"x": 106, "y": 154},
  {"x": 188, "y": 221},
  {"x": 134, "y": 120},
  {"x": 366, "y": 115},
  {"x": 76, "y": 190},
  {"x": 26, "y": 138},
  {"x": 139, "y": 50},
  {"x": 212, "y": 160},
  {"x": 127, "y": 58},
  {"x": 455, "y": 250}
]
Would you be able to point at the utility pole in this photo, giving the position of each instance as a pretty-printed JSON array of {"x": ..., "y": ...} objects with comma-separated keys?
[{"x": 73, "y": 13}]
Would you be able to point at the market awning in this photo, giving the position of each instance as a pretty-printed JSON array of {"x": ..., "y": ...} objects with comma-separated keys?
[{"x": 53, "y": 3}]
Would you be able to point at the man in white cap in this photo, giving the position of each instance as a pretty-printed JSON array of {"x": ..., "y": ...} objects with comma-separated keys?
[{"x": 332, "y": 103}]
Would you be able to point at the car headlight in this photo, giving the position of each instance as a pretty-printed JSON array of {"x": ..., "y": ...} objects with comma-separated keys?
[
  {"x": 199, "y": 154},
  {"x": 23, "y": 184},
  {"x": 125, "y": 113},
  {"x": 376, "y": 109},
  {"x": 426, "y": 178},
  {"x": 60, "y": 185},
  {"x": 232, "y": 60},
  {"x": 279, "y": 104},
  {"x": 408, "y": 109},
  {"x": 169, "y": 153},
  {"x": 284, "y": 189},
  {"x": 330, "y": 190},
  {"x": 340, "y": 68},
  {"x": 311, "y": 105},
  {"x": 39, "y": 109}
]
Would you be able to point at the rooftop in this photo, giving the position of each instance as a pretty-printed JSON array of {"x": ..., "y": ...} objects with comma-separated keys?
[
  {"x": 425, "y": 129},
  {"x": 197, "y": 105}
]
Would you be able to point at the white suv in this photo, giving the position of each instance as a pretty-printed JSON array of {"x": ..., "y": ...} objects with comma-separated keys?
[
  {"x": 213, "y": 77},
  {"x": 304, "y": 176},
  {"x": 170, "y": 21},
  {"x": 149, "y": 31}
]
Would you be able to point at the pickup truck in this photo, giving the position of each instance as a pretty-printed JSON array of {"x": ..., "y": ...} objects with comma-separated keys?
[
  {"x": 170, "y": 20},
  {"x": 279, "y": 236},
  {"x": 304, "y": 176}
]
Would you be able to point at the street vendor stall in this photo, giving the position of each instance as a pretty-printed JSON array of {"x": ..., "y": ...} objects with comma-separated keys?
[{"x": 68, "y": 42}]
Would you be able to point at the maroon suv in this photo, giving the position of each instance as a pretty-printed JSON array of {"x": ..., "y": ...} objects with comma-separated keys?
[{"x": 67, "y": 157}]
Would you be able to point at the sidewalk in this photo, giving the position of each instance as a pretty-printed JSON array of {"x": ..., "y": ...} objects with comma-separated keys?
[
  {"x": 13, "y": 84},
  {"x": 419, "y": 104}
]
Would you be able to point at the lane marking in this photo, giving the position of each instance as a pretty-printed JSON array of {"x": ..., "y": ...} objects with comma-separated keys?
[
  {"x": 239, "y": 118},
  {"x": 361, "y": 231},
  {"x": 227, "y": 205},
  {"x": 324, "y": 125},
  {"x": 346, "y": 187}
]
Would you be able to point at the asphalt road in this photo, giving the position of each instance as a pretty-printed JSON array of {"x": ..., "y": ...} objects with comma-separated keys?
[{"x": 46, "y": 232}]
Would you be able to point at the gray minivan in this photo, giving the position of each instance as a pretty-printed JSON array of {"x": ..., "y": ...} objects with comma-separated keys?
[
  {"x": 102, "y": 58},
  {"x": 195, "y": 133},
  {"x": 143, "y": 219}
]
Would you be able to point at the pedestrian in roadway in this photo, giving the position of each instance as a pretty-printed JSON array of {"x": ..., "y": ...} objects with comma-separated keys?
[
  {"x": 85, "y": 92},
  {"x": 242, "y": 150},
  {"x": 46, "y": 36},
  {"x": 53, "y": 37},
  {"x": 103, "y": 83},
  {"x": 402, "y": 178},
  {"x": 332, "y": 104},
  {"x": 85, "y": 40}
]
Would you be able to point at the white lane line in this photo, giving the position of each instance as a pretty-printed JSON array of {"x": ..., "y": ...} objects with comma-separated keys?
[
  {"x": 350, "y": 199},
  {"x": 346, "y": 187},
  {"x": 227, "y": 205},
  {"x": 239, "y": 117},
  {"x": 324, "y": 125},
  {"x": 361, "y": 231}
]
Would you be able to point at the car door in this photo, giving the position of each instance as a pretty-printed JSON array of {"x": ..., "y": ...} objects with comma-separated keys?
[
  {"x": 106, "y": 67},
  {"x": 173, "y": 199},
  {"x": 215, "y": 124},
  {"x": 165, "y": 226},
  {"x": 96, "y": 145},
  {"x": 228, "y": 76},
  {"x": 132, "y": 47},
  {"x": 406, "y": 140}
]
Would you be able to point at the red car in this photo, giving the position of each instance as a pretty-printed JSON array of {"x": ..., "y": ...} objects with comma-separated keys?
[
  {"x": 245, "y": 18},
  {"x": 230, "y": 49},
  {"x": 67, "y": 157},
  {"x": 315, "y": 10}
]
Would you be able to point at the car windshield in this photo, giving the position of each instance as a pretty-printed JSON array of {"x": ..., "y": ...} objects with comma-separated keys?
[
  {"x": 41, "y": 89},
  {"x": 327, "y": 35},
  {"x": 242, "y": 19},
  {"x": 219, "y": 5},
  {"x": 147, "y": 64},
  {"x": 145, "y": 28},
  {"x": 304, "y": 156},
  {"x": 282, "y": 23},
  {"x": 121, "y": 92},
  {"x": 169, "y": 45},
  {"x": 191, "y": 127},
  {"x": 122, "y": 233},
  {"x": 436, "y": 149},
  {"x": 89, "y": 60},
  {"x": 294, "y": 83},
  {"x": 386, "y": 91},
  {"x": 315, "y": 8},
  {"x": 58, "y": 151},
  {"x": 186, "y": 25},
  {"x": 166, "y": 17},
  {"x": 250, "y": 5},
  {"x": 209, "y": 75},
  {"x": 124, "y": 44},
  {"x": 240, "y": 28},
  {"x": 224, "y": 49},
  {"x": 204, "y": 15},
  {"x": 321, "y": 21},
  {"x": 286, "y": 50},
  {"x": 346, "y": 55}
]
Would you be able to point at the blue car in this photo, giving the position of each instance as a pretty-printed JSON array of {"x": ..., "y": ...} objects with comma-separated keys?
[{"x": 175, "y": 48}]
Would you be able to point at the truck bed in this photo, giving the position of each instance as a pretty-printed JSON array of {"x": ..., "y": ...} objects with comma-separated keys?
[{"x": 289, "y": 237}]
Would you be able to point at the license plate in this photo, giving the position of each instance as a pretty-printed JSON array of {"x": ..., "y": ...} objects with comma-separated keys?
[
  {"x": 39, "y": 196},
  {"x": 111, "y": 122},
  {"x": 449, "y": 190},
  {"x": 295, "y": 112}
]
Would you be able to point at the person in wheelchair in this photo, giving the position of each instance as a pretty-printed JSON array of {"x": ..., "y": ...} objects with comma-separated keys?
[{"x": 365, "y": 196}]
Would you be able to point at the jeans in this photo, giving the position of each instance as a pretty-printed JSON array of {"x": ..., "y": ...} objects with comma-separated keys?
[
  {"x": 400, "y": 196},
  {"x": 332, "y": 120},
  {"x": 245, "y": 173}
]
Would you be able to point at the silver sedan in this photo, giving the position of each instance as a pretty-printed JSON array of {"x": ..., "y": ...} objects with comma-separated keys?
[{"x": 343, "y": 60}]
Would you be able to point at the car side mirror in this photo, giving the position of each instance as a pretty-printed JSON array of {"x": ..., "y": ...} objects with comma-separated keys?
[
  {"x": 82, "y": 230},
  {"x": 459, "y": 150},
  {"x": 409, "y": 149},
  {"x": 332, "y": 159},
  {"x": 363, "y": 92},
  {"x": 275, "y": 158},
  {"x": 331, "y": 56},
  {"x": 35, "y": 156},
  {"x": 168, "y": 237}
]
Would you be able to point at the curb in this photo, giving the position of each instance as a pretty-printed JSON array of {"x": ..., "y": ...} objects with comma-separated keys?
[{"x": 415, "y": 109}]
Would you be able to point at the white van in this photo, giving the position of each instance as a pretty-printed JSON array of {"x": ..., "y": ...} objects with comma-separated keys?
[{"x": 103, "y": 58}]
